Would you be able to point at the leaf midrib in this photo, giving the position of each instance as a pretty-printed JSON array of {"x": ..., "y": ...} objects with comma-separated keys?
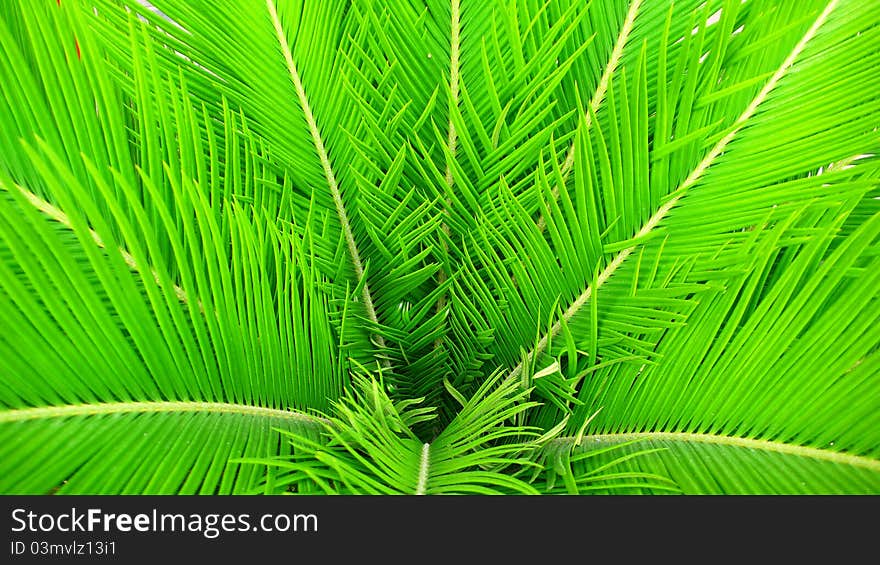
[
  {"x": 852, "y": 460},
  {"x": 46, "y": 412},
  {"x": 424, "y": 468}
]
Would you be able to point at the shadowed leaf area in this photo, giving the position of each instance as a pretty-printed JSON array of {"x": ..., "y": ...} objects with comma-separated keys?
[{"x": 461, "y": 246}]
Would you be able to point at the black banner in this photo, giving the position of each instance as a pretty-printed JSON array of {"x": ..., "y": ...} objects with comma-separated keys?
[{"x": 177, "y": 529}]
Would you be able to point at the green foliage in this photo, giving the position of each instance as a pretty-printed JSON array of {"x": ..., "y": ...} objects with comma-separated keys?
[{"x": 494, "y": 246}]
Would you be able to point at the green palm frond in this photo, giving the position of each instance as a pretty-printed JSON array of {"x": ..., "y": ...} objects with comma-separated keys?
[
  {"x": 458, "y": 246},
  {"x": 371, "y": 447}
]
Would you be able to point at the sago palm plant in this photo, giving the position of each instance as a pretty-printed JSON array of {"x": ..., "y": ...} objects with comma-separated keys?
[{"x": 452, "y": 246}]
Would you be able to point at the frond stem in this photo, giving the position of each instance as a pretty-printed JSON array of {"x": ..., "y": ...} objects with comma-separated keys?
[
  {"x": 746, "y": 443},
  {"x": 452, "y": 138},
  {"x": 424, "y": 466},
  {"x": 44, "y": 412}
]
